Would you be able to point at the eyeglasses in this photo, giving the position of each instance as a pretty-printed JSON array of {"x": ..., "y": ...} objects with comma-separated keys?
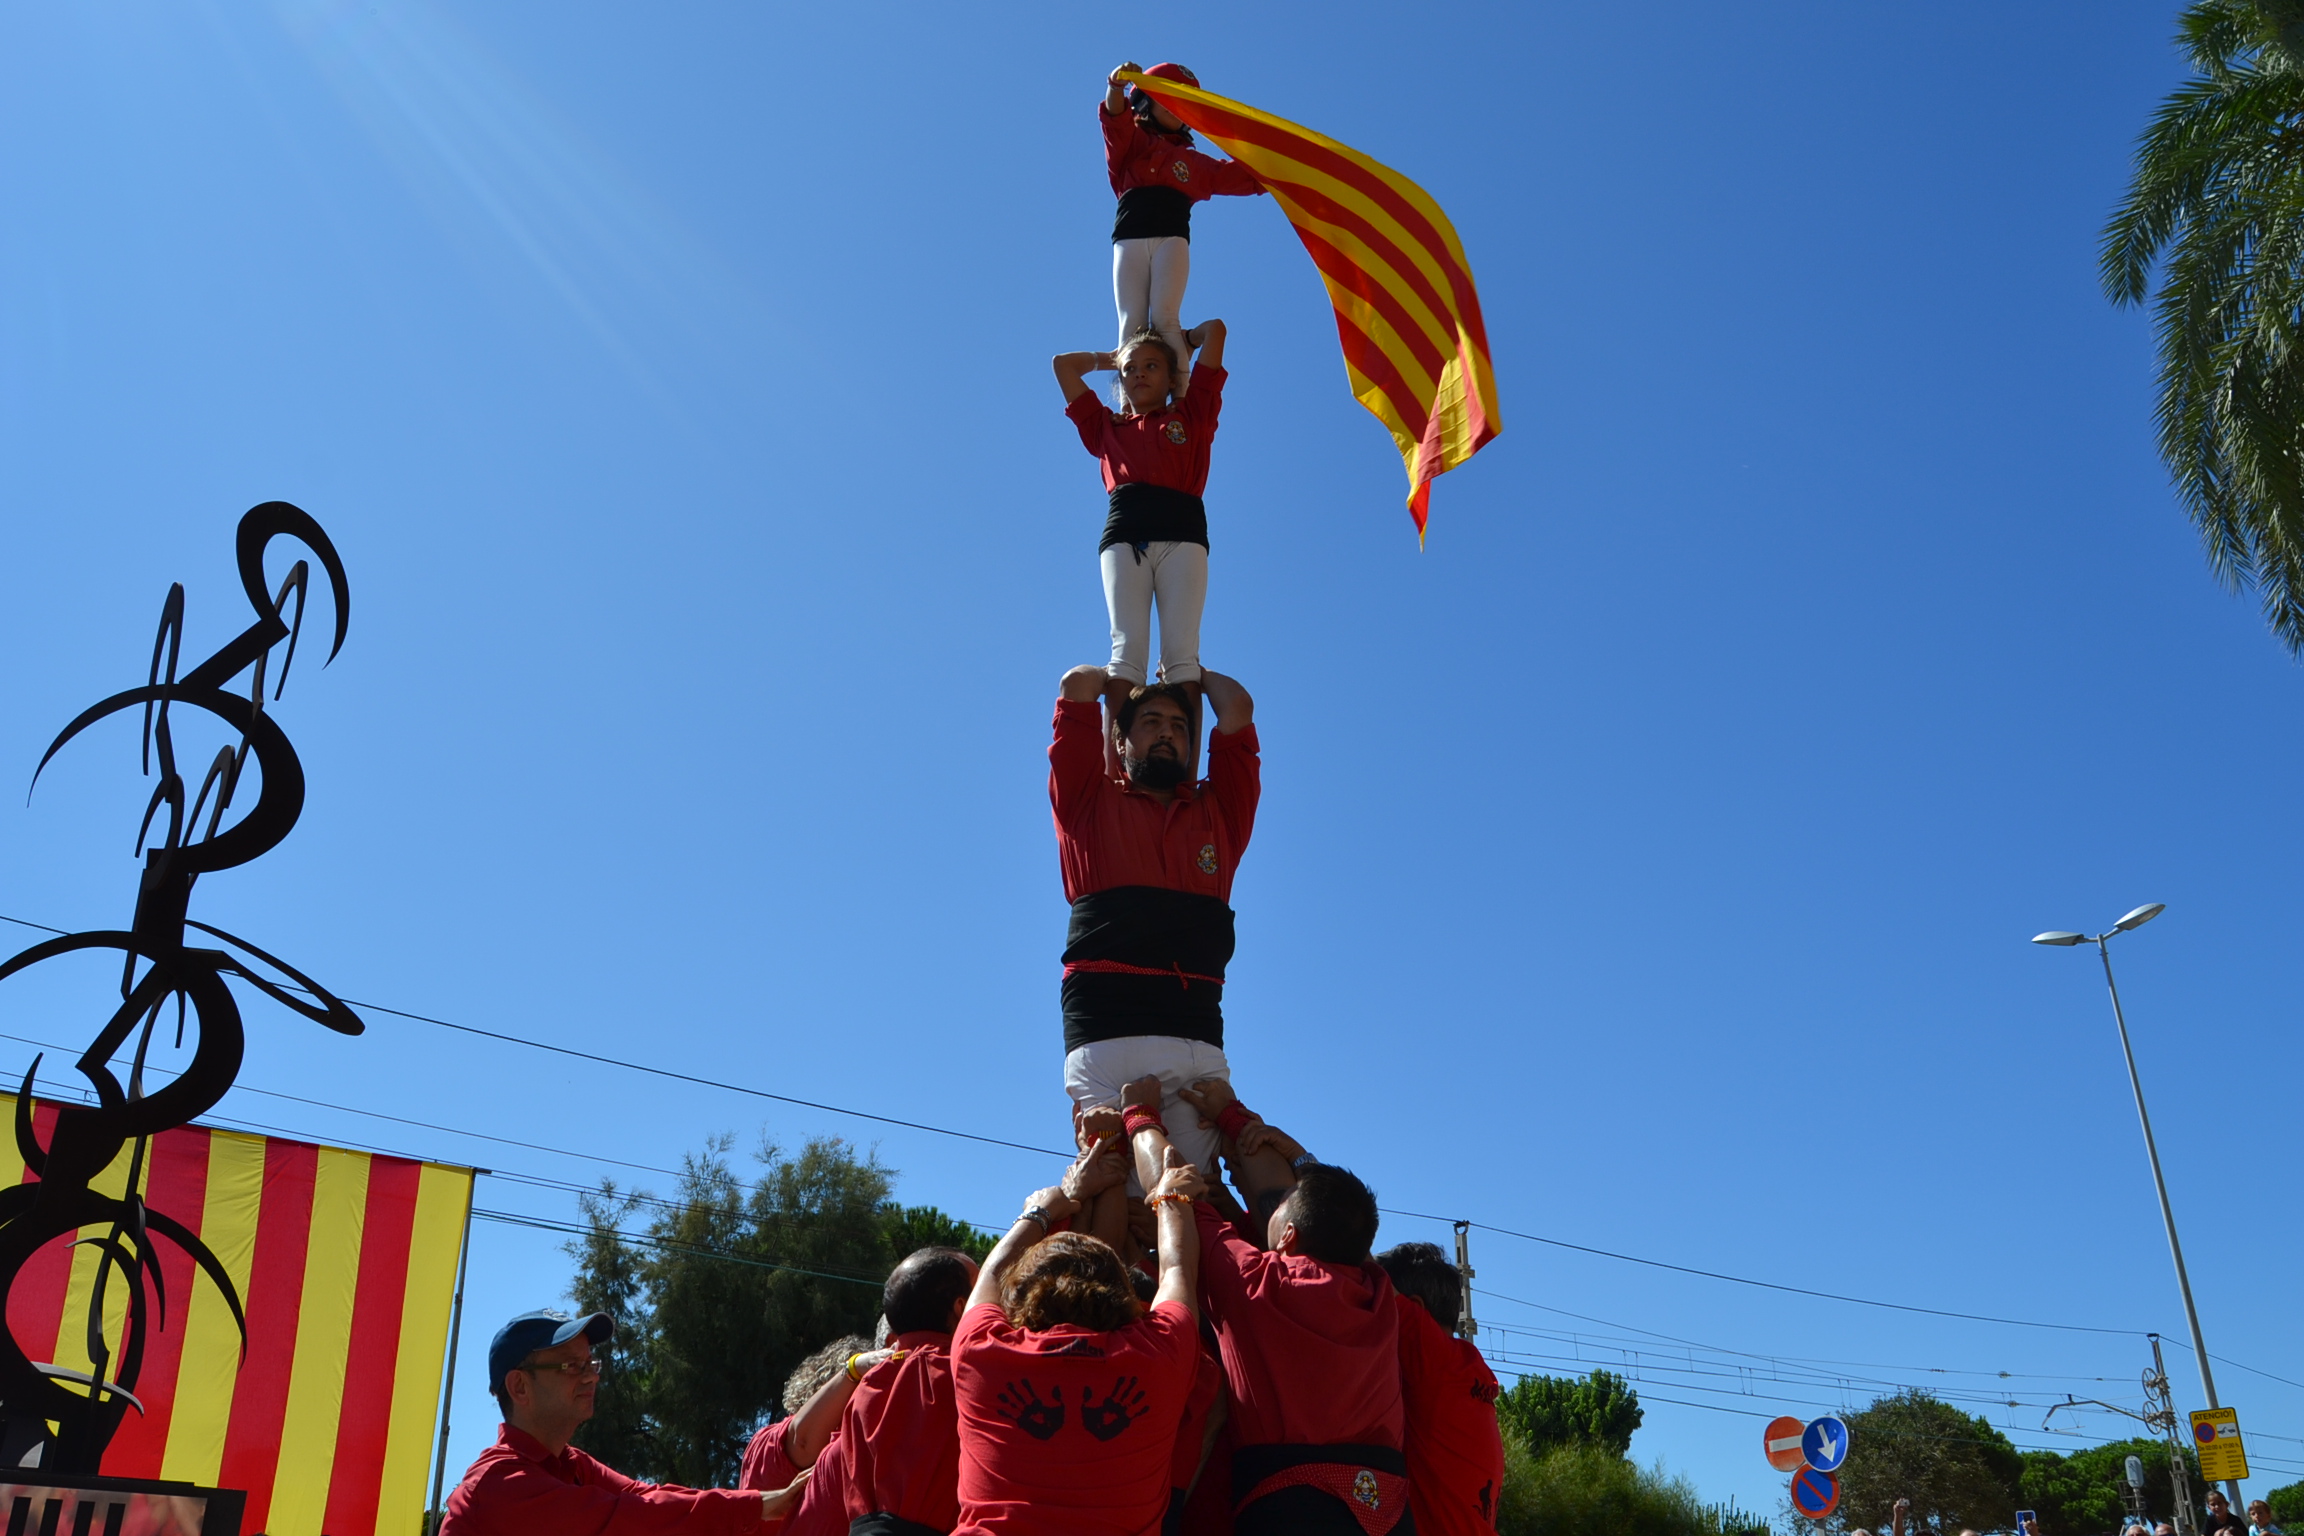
[{"x": 575, "y": 1370}]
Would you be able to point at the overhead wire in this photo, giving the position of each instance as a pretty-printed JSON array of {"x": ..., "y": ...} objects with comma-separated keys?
[{"x": 648, "y": 1069}]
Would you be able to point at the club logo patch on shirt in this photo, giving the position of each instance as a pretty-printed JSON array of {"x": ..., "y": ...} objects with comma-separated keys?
[
  {"x": 1180, "y": 171},
  {"x": 1364, "y": 1488},
  {"x": 1207, "y": 858},
  {"x": 1176, "y": 433}
]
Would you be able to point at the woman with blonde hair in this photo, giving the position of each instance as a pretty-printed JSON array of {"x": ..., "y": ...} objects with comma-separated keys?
[{"x": 1070, "y": 1390}]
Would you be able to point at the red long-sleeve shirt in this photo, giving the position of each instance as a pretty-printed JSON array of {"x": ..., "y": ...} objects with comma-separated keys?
[
  {"x": 1134, "y": 156},
  {"x": 902, "y": 1432},
  {"x": 516, "y": 1488},
  {"x": 1110, "y": 833},
  {"x": 1311, "y": 1351},
  {"x": 1455, "y": 1451}
]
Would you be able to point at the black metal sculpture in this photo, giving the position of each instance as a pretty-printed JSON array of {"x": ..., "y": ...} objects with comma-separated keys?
[{"x": 68, "y": 1417}]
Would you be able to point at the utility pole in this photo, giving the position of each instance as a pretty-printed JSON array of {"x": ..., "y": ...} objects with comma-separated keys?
[
  {"x": 1465, "y": 1326},
  {"x": 2160, "y": 1414}
]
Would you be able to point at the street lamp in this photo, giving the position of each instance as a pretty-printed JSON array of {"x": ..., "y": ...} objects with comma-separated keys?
[{"x": 2138, "y": 919}]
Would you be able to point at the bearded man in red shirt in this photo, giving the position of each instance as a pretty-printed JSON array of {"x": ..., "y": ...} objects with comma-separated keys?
[{"x": 1148, "y": 860}]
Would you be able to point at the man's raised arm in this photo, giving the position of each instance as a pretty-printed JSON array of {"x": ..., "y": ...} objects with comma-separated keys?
[{"x": 1076, "y": 757}]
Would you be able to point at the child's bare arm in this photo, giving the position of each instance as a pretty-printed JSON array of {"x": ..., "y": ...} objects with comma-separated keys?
[
  {"x": 1116, "y": 96},
  {"x": 1073, "y": 368}
]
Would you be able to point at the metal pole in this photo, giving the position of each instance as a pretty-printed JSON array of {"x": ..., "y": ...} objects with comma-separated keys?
[
  {"x": 455, "y": 1334},
  {"x": 2167, "y": 1212},
  {"x": 1465, "y": 1326}
]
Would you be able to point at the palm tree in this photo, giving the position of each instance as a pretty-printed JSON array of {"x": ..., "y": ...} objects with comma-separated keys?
[{"x": 2217, "y": 210}]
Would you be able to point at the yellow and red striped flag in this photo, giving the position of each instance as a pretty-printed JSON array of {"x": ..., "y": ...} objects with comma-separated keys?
[
  {"x": 1406, "y": 310},
  {"x": 346, "y": 1264}
]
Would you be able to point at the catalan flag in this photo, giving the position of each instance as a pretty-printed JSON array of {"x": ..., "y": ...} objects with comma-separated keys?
[
  {"x": 346, "y": 1263},
  {"x": 1406, "y": 310}
]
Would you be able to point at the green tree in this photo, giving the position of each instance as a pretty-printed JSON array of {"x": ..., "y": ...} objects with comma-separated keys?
[
  {"x": 1955, "y": 1468},
  {"x": 2216, "y": 208},
  {"x": 726, "y": 1287},
  {"x": 1599, "y": 1410},
  {"x": 1588, "y": 1490},
  {"x": 2082, "y": 1493},
  {"x": 2287, "y": 1504}
]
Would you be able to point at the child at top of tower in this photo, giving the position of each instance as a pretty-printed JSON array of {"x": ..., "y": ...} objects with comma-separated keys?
[
  {"x": 1158, "y": 176},
  {"x": 1154, "y": 452}
]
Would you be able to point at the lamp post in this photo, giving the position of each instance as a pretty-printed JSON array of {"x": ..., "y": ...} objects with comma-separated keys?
[{"x": 2138, "y": 919}]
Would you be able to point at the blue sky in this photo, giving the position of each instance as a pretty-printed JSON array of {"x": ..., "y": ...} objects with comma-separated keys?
[{"x": 1646, "y": 863}]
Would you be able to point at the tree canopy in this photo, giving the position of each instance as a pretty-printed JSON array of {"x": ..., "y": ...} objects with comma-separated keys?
[
  {"x": 2081, "y": 1494},
  {"x": 726, "y": 1287},
  {"x": 1955, "y": 1467},
  {"x": 2215, "y": 209},
  {"x": 1597, "y": 1410}
]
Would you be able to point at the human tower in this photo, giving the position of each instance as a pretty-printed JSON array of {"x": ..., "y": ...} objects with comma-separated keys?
[{"x": 1144, "y": 1350}]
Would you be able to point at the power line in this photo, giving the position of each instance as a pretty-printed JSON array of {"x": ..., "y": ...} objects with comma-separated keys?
[{"x": 1771, "y": 1285}]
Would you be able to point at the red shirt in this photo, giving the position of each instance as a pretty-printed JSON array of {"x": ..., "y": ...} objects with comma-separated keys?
[
  {"x": 1070, "y": 1432},
  {"x": 1311, "y": 1351},
  {"x": 1135, "y": 156},
  {"x": 516, "y": 1489},
  {"x": 767, "y": 1466},
  {"x": 903, "y": 1434},
  {"x": 1166, "y": 447},
  {"x": 1192, "y": 1434},
  {"x": 1110, "y": 833},
  {"x": 823, "y": 1507},
  {"x": 1455, "y": 1451}
]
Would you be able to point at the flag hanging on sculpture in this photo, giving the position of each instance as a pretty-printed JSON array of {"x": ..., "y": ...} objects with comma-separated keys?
[
  {"x": 1406, "y": 310},
  {"x": 346, "y": 1265}
]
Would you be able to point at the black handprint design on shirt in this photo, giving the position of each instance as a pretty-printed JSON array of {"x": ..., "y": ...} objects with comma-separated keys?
[
  {"x": 1119, "y": 1410},
  {"x": 1021, "y": 1406}
]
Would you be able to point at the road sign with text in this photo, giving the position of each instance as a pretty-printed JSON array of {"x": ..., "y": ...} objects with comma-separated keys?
[{"x": 2216, "y": 1431}]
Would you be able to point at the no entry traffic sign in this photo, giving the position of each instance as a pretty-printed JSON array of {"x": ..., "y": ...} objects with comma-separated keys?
[
  {"x": 1780, "y": 1443},
  {"x": 1824, "y": 1444},
  {"x": 1814, "y": 1493}
]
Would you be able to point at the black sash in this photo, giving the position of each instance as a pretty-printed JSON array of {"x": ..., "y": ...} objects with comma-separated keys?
[
  {"x": 1154, "y": 514},
  {"x": 1146, "y": 960},
  {"x": 1148, "y": 213}
]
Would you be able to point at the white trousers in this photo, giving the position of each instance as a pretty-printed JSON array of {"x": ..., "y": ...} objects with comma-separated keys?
[
  {"x": 1095, "y": 1073},
  {"x": 1148, "y": 289},
  {"x": 1176, "y": 574}
]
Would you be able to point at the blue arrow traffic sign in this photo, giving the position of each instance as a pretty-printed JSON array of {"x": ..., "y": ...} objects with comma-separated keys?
[
  {"x": 1814, "y": 1493},
  {"x": 1824, "y": 1444}
]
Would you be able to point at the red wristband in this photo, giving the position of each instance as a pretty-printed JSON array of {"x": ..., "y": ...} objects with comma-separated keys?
[
  {"x": 1236, "y": 1118},
  {"x": 1141, "y": 1117}
]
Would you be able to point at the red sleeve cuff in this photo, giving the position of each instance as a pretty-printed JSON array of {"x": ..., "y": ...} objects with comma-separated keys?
[{"x": 1234, "y": 1120}]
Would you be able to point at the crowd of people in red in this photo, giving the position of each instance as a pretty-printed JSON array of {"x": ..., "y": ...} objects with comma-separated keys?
[{"x": 1203, "y": 1360}]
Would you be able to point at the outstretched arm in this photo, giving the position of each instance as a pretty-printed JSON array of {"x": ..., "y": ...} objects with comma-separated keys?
[
  {"x": 1073, "y": 368},
  {"x": 1053, "y": 1204},
  {"x": 1262, "y": 1158},
  {"x": 820, "y": 1415},
  {"x": 1098, "y": 1177},
  {"x": 1208, "y": 336},
  {"x": 1116, "y": 89},
  {"x": 1235, "y": 710},
  {"x": 1180, "y": 1184}
]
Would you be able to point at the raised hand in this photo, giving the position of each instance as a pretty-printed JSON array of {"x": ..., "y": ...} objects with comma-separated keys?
[
  {"x": 1020, "y": 1405},
  {"x": 1211, "y": 1096},
  {"x": 1179, "y": 1177},
  {"x": 1145, "y": 1090},
  {"x": 1123, "y": 1407},
  {"x": 1095, "y": 1123},
  {"x": 1100, "y": 1166}
]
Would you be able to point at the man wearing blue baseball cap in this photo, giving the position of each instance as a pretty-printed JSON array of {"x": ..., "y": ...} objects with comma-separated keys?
[{"x": 544, "y": 1376}]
